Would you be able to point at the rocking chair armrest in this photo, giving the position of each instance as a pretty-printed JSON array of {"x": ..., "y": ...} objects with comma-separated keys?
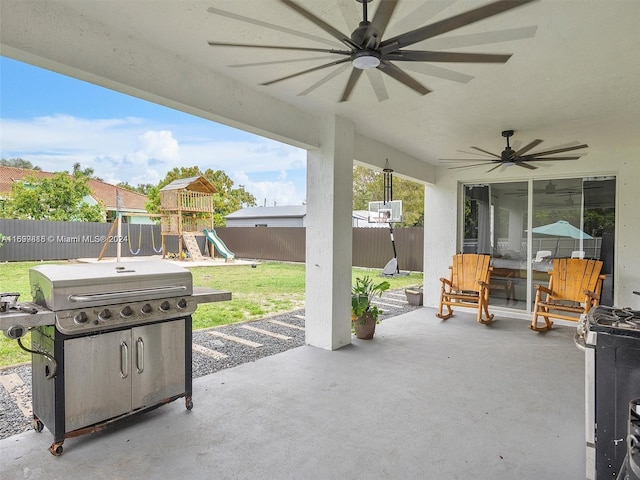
[
  {"x": 446, "y": 281},
  {"x": 591, "y": 294},
  {"x": 543, "y": 288}
]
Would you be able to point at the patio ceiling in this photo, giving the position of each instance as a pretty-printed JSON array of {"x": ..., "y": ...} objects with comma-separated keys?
[{"x": 574, "y": 80}]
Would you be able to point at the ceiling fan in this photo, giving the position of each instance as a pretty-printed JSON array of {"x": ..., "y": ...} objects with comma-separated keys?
[
  {"x": 367, "y": 50},
  {"x": 521, "y": 158}
]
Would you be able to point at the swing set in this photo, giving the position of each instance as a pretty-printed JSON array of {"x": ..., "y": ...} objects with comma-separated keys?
[
  {"x": 117, "y": 224},
  {"x": 137, "y": 251}
]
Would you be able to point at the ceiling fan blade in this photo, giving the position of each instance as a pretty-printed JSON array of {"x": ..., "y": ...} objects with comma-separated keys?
[
  {"x": 353, "y": 78},
  {"x": 338, "y": 35},
  {"x": 488, "y": 153},
  {"x": 309, "y": 70},
  {"x": 528, "y": 147},
  {"x": 402, "y": 77},
  {"x": 558, "y": 150},
  {"x": 423, "y": 56},
  {"x": 440, "y": 72},
  {"x": 279, "y": 62},
  {"x": 280, "y": 47},
  {"x": 497, "y": 166},
  {"x": 550, "y": 159},
  {"x": 325, "y": 79},
  {"x": 449, "y": 24},
  {"x": 379, "y": 23},
  {"x": 375, "y": 78},
  {"x": 469, "y": 166},
  {"x": 526, "y": 165},
  {"x": 415, "y": 18},
  {"x": 453, "y": 160},
  {"x": 483, "y": 38},
  {"x": 473, "y": 153},
  {"x": 271, "y": 26}
]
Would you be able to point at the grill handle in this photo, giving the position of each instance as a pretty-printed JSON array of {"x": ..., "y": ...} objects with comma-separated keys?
[
  {"x": 135, "y": 294},
  {"x": 124, "y": 360},
  {"x": 140, "y": 355}
]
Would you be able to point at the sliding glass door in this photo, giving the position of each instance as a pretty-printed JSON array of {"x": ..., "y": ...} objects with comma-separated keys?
[{"x": 524, "y": 225}]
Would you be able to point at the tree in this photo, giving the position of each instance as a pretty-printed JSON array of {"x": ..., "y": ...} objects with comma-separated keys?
[
  {"x": 87, "y": 172},
  {"x": 368, "y": 187},
  {"x": 59, "y": 198},
  {"x": 226, "y": 201},
  {"x": 18, "y": 163},
  {"x": 142, "y": 188}
]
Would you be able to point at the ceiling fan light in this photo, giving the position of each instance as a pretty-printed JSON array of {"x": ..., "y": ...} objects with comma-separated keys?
[{"x": 365, "y": 59}]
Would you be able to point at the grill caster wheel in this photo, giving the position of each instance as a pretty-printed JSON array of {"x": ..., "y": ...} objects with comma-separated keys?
[
  {"x": 37, "y": 425},
  {"x": 188, "y": 403},
  {"x": 56, "y": 449}
]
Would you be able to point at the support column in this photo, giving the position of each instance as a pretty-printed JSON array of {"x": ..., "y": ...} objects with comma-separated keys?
[{"x": 329, "y": 235}]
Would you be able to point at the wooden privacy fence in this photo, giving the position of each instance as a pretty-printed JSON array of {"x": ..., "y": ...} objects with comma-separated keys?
[{"x": 33, "y": 240}]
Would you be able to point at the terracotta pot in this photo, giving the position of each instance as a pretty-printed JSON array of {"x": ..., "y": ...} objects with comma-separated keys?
[{"x": 365, "y": 326}]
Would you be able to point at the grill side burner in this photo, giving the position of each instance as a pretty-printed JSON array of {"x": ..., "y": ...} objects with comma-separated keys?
[{"x": 120, "y": 343}]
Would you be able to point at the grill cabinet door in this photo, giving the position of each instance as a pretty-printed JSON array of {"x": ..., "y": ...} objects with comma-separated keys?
[
  {"x": 97, "y": 378},
  {"x": 158, "y": 362}
]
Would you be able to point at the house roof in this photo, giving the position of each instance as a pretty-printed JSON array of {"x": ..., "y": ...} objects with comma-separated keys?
[
  {"x": 100, "y": 191},
  {"x": 269, "y": 212},
  {"x": 195, "y": 184}
]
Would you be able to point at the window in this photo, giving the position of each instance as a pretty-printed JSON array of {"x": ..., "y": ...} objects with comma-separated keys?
[{"x": 519, "y": 225}]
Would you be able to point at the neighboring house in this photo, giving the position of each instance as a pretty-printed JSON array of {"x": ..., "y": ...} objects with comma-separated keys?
[
  {"x": 287, "y": 216},
  {"x": 132, "y": 203}
]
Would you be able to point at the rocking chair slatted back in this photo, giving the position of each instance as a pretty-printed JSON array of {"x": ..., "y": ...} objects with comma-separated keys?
[
  {"x": 570, "y": 277},
  {"x": 468, "y": 270}
]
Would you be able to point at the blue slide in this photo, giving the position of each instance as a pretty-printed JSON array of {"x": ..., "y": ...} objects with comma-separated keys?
[{"x": 219, "y": 244}]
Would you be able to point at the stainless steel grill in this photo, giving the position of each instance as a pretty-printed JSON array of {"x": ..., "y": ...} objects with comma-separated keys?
[
  {"x": 612, "y": 379},
  {"x": 108, "y": 341}
]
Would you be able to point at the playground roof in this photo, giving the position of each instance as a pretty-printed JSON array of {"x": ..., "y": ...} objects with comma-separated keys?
[{"x": 195, "y": 184}]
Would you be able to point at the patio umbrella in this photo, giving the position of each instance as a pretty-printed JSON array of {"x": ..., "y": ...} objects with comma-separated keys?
[{"x": 561, "y": 229}]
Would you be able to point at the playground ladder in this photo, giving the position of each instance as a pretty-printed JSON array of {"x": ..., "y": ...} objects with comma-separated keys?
[{"x": 192, "y": 246}]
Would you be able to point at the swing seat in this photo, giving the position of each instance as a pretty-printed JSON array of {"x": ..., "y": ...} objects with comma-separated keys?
[{"x": 467, "y": 286}]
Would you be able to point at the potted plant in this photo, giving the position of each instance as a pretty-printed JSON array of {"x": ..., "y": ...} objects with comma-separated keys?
[{"x": 364, "y": 315}]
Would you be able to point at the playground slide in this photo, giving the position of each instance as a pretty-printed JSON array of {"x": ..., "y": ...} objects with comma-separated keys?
[{"x": 219, "y": 244}]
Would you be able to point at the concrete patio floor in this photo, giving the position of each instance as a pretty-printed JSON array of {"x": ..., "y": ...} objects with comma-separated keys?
[{"x": 425, "y": 399}]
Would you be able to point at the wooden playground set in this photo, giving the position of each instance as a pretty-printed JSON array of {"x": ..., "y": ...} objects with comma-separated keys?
[{"x": 187, "y": 210}]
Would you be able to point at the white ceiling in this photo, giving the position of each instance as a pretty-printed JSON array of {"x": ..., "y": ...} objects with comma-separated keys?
[{"x": 576, "y": 79}]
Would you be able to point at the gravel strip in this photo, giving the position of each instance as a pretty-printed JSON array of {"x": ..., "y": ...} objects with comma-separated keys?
[{"x": 13, "y": 421}]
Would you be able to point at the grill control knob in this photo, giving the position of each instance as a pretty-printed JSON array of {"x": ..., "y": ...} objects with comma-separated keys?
[
  {"x": 126, "y": 312},
  {"x": 105, "y": 314},
  {"x": 182, "y": 303},
  {"x": 165, "y": 306},
  {"x": 81, "y": 318},
  {"x": 146, "y": 309}
]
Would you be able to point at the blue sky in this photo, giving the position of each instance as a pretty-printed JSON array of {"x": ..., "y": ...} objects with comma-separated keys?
[{"x": 55, "y": 121}]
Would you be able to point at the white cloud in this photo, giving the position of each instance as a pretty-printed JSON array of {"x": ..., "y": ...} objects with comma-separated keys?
[
  {"x": 157, "y": 146},
  {"x": 270, "y": 192},
  {"x": 138, "y": 151}
]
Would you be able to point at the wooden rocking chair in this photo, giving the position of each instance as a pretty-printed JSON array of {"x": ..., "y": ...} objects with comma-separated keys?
[
  {"x": 574, "y": 288},
  {"x": 468, "y": 286}
]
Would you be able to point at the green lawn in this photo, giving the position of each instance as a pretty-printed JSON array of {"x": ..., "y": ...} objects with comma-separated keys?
[{"x": 269, "y": 289}]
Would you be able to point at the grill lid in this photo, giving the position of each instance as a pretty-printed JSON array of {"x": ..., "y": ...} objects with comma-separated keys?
[{"x": 61, "y": 287}]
